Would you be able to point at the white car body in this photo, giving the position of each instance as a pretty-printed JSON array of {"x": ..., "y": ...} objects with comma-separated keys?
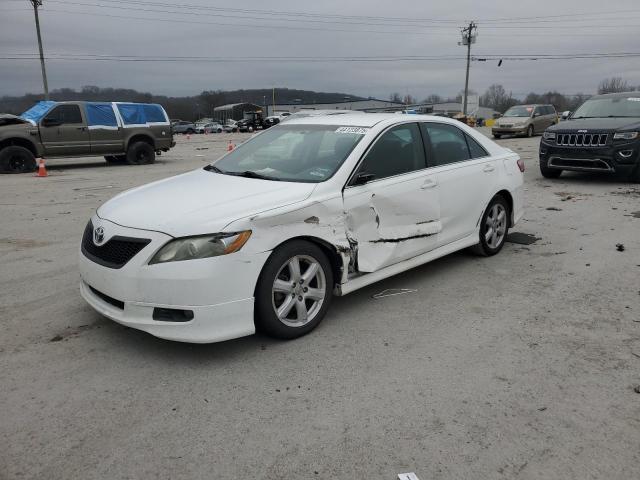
[{"x": 384, "y": 227}]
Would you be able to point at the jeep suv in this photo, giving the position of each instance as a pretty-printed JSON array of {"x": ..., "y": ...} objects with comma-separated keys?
[
  {"x": 603, "y": 135},
  {"x": 525, "y": 120},
  {"x": 121, "y": 132}
]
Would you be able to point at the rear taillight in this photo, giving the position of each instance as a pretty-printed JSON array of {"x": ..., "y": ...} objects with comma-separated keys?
[{"x": 521, "y": 165}]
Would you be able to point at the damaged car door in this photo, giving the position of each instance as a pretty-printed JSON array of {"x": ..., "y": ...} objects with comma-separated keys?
[{"x": 391, "y": 201}]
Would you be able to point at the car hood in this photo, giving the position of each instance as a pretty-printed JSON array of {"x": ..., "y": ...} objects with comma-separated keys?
[
  {"x": 606, "y": 124},
  {"x": 199, "y": 202}
]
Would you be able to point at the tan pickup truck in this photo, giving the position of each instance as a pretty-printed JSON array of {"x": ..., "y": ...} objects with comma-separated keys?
[{"x": 122, "y": 132}]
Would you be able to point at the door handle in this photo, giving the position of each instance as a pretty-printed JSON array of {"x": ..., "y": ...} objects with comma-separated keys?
[
  {"x": 429, "y": 184},
  {"x": 488, "y": 168},
  {"x": 81, "y": 128}
]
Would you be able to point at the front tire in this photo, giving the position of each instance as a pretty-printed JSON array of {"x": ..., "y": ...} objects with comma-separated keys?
[
  {"x": 530, "y": 131},
  {"x": 140, "y": 153},
  {"x": 294, "y": 290},
  {"x": 494, "y": 227},
  {"x": 15, "y": 159},
  {"x": 549, "y": 172},
  {"x": 497, "y": 136}
]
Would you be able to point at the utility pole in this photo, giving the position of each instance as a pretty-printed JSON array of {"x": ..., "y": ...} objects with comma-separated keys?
[
  {"x": 468, "y": 37},
  {"x": 36, "y": 4}
]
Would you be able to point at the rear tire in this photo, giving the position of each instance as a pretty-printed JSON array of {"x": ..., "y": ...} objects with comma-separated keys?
[
  {"x": 549, "y": 172},
  {"x": 494, "y": 227},
  {"x": 294, "y": 290},
  {"x": 15, "y": 159},
  {"x": 140, "y": 153}
]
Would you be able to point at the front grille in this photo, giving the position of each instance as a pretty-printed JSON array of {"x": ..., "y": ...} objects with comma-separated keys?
[
  {"x": 582, "y": 139},
  {"x": 113, "y": 254}
]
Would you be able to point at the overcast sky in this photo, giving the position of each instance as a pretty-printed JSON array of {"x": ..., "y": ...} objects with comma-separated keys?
[{"x": 211, "y": 28}]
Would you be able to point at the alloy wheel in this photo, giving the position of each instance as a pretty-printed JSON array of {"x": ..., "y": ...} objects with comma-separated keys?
[
  {"x": 496, "y": 226},
  {"x": 299, "y": 290}
]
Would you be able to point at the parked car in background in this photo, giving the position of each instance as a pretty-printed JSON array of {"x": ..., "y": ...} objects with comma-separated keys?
[
  {"x": 213, "y": 127},
  {"x": 230, "y": 126},
  {"x": 526, "y": 120},
  {"x": 271, "y": 121},
  {"x": 318, "y": 206},
  {"x": 184, "y": 127},
  {"x": 122, "y": 132},
  {"x": 603, "y": 135}
]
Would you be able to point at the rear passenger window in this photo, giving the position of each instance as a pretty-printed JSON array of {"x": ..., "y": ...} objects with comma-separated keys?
[
  {"x": 476, "y": 150},
  {"x": 154, "y": 114},
  {"x": 448, "y": 144},
  {"x": 66, "y": 114},
  {"x": 397, "y": 151}
]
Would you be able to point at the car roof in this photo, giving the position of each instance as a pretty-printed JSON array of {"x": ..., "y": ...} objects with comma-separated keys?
[
  {"x": 365, "y": 119},
  {"x": 617, "y": 95}
]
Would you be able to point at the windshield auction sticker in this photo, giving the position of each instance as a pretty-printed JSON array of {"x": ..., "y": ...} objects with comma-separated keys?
[
  {"x": 356, "y": 130},
  {"x": 633, "y": 99}
]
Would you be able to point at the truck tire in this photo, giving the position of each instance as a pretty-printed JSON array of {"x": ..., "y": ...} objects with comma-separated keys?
[
  {"x": 15, "y": 159},
  {"x": 140, "y": 153}
]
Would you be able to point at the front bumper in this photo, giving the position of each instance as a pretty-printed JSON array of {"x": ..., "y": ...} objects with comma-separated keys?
[
  {"x": 219, "y": 291},
  {"x": 606, "y": 159},
  {"x": 515, "y": 130}
]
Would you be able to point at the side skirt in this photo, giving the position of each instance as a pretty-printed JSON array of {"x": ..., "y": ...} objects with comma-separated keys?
[{"x": 369, "y": 278}]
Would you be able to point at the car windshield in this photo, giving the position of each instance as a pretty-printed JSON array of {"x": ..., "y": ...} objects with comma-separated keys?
[
  {"x": 519, "y": 112},
  {"x": 293, "y": 153},
  {"x": 610, "y": 107}
]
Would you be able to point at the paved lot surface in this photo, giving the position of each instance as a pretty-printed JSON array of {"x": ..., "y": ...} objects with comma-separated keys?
[{"x": 518, "y": 366}]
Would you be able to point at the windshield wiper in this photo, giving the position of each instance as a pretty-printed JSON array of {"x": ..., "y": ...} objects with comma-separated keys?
[
  {"x": 252, "y": 174},
  {"x": 213, "y": 168}
]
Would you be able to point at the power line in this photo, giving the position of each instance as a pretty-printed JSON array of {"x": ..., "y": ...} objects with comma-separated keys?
[
  {"x": 310, "y": 59},
  {"x": 574, "y": 16}
]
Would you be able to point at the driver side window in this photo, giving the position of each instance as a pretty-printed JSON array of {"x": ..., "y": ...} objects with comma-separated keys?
[
  {"x": 65, "y": 114},
  {"x": 397, "y": 151}
]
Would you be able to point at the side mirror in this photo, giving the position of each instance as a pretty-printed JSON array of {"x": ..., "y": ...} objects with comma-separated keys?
[
  {"x": 362, "y": 178},
  {"x": 51, "y": 122},
  {"x": 536, "y": 114},
  {"x": 566, "y": 114}
]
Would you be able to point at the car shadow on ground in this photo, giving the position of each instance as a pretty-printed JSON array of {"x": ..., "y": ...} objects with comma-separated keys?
[
  {"x": 594, "y": 177},
  {"x": 98, "y": 163},
  {"x": 253, "y": 347}
]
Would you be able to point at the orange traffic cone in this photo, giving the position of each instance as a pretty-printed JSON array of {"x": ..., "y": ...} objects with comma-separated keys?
[
  {"x": 230, "y": 146},
  {"x": 42, "y": 171}
]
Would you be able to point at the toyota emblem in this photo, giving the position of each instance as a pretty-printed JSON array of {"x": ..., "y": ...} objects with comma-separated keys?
[{"x": 98, "y": 235}]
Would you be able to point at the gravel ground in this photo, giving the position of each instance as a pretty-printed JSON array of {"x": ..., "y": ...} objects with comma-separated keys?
[{"x": 521, "y": 365}]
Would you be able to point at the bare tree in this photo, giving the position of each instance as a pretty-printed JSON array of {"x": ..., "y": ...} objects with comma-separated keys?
[
  {"x": 496, "y": 97},
  {"x": 433, "y": 98},
  {"x": 395, "y": 97},
  {"x": 614, "y": 85},
  {"x": 408, "y": 99}
]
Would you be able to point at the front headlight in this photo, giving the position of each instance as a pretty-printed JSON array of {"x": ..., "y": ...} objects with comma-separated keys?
[
  {"x": 625, "y": 135},
  {"x": 549, "y": 135},
  {"x": 202, "y": 246}
]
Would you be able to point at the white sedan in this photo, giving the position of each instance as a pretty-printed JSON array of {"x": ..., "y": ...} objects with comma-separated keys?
[{"x": 315, "y": 207}]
